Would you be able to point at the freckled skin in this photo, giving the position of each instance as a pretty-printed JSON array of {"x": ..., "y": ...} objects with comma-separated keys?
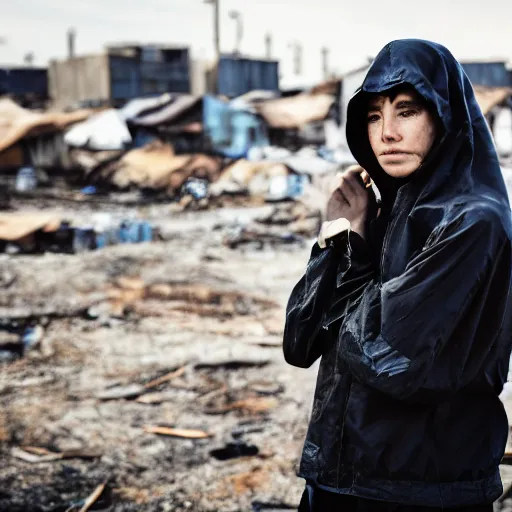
[{"x": 401, "y": 132}]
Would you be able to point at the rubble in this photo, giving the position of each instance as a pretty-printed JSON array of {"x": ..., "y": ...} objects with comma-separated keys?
[
  {"x": 39, "y": 455},
  {"x": 118, "y": 392},
  {"x": 169, "y": 338},
  {"x": 178, "y": 432},
  {"x": 166, "y": 378},
  {"x": 91, "y": 500},
  {"x": 235, "y": 450}
]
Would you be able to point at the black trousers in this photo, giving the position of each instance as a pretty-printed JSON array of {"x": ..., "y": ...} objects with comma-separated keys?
[{"x": 317, "y": 500}]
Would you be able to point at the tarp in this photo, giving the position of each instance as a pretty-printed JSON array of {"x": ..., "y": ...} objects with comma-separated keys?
[
  {"x": 296, "y": 111},
  {"x": 142, "y": 106},
  {"x": 327, "y": 87},
  {"x": 90, "y": 160},
  {"x": 490, "y": 97},
  {"x": 243, "y": 171},
  {"x": 245, "y": 175},
  {"x": 157, "y": 167},
  {"x": 250, "y": 100},
  {"x": 106, "y": 130},
  {"x": 14, "y": 226},
  {"x": 305, "y": 161},
  {"x": 17, "y": 122},
  {"x": 169, "y": 113}
]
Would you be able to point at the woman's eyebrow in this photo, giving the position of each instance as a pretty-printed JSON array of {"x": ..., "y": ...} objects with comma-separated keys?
[
  {"x": 408, "y": 104},
  {"x": 374, "y": 108}
]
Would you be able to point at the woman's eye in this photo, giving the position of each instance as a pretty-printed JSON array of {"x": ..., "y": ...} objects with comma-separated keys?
[
  {"x": 373, "y": 119},
  {"x": 408, "y": 113}
]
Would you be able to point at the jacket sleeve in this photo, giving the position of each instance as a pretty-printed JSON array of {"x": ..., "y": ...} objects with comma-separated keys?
[
  {"x": 335, "y": 272},
  {"x": 392, "y": 337}
]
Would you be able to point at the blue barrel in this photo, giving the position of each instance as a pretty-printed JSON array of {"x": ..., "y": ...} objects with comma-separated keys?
[
  {"x": 146, "y": 232},
  {"x": 26, "y": 179}
]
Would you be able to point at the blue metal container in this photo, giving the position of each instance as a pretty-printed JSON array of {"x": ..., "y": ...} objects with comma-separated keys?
[
  {"x": 492, "y": 74},
  {"x": 237, "y": 76},
  {"x": 151, "y": 71},
  {"x": 21, "y": 81}
]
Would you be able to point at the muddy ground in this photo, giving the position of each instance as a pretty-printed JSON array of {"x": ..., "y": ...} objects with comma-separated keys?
[{"x": 79, "y": 410}]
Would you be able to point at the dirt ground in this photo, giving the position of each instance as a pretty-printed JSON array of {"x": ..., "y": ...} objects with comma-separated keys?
[
  {"x": 80, "y": 409},
  {"x": 115, "y": 320}
]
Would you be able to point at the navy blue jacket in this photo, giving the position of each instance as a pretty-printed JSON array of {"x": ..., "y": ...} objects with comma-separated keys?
[{"x": 413, "y": 327}]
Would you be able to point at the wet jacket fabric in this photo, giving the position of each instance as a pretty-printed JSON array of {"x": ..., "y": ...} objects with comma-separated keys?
[{"x": 413, "y": 326}]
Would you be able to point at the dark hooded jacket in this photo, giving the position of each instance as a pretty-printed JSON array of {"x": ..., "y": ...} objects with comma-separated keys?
[{"x": 413, "y": 327}]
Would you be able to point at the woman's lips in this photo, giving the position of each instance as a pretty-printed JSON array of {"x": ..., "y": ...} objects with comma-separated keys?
[
  {"x": 394, "y": 153},
  {"x": 394, "y": 156}
]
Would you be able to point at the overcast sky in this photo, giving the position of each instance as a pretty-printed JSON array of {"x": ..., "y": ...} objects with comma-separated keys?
[{"x": 353, "y": 30}]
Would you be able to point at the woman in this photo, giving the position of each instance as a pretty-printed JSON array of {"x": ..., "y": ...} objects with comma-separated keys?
[{"x": 407, "y": 303}]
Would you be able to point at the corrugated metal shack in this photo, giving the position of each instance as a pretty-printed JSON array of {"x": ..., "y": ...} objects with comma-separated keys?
[
  {"x": 490, "y": 73},
  {"x": 124, "y": 72},
  {"x": 239, "y": 75}
]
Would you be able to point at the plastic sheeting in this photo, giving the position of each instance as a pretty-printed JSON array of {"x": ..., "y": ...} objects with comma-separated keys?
[
  {"x": 232, "y": 132},
  {"x": 14, "y": 226},
  {"x": 489, "y": 97},
  {"x": 106, "y": 130},
  {"x": 296, "y": 111},
  {"x": 17, "y": 123},
  {"x": 305, "y": 161},
  {"x": 178, "y": 107},
  {"x": 142, "y": 106},
  {"x": 157, "y": 167}
]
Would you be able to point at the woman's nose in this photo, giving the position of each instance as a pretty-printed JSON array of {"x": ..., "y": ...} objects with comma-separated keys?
[{"x": 390, "y": 130}]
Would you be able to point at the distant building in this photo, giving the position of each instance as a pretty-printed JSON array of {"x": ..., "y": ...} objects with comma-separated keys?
[
  {"x": 26, "y": 85},
  {"x": 496, "y": 73},
  {"x": 236, "y": 75},
  {"x": 121, "y": 73}
]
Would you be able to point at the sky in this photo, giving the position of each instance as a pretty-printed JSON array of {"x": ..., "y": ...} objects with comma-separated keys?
[{"x": 353, "y": 30}]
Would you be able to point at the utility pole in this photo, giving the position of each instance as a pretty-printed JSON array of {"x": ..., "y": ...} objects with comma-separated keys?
[
  {"x": 297, "y": 57},
  {"x": 235, "y": 15},
  {"x": 216, "y": 40},
  {"x": 268, "y": 45},
  {"x": 71, "y": 43},
  {"x": 325, "y": 62}
]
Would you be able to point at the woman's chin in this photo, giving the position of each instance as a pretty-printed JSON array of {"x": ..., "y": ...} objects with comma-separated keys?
[{"x": 399, "y": 170}]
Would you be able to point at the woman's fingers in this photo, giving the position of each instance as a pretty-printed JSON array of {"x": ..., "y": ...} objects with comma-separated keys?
[
  {"x": 339, "y": 195},
  {"x": 348, "y": 187}
]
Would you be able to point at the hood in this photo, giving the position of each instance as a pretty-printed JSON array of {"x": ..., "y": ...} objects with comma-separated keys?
[{"x": 464, "y": 161}]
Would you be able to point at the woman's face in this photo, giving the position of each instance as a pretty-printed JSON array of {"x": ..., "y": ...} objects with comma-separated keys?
[{"x": 401, "y": 132}]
